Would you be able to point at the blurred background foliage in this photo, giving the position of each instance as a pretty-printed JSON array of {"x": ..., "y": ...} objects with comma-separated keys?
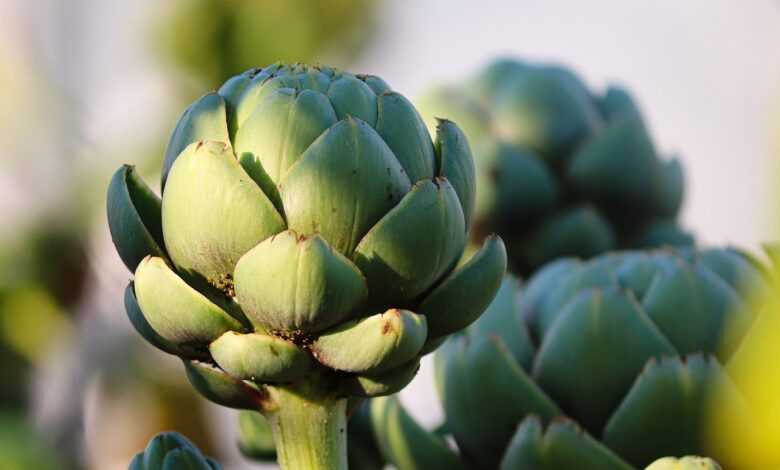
[
  {"x": 89, "y": 85},
  {"x": 210, "y": 40},
  {"x": 754, "y": 441}
]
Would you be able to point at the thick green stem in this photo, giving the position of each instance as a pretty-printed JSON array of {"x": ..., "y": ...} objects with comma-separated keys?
[{"x": 310, "y": 429}]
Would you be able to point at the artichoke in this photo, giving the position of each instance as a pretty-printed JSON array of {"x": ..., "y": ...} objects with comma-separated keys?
[
  {"x": 604, "y": 364},
  {"x": 305, "y": 249},
  {"x": 685, "y": 463},
  {"x": 171, "y": 450},
  {"x": 562, "y": 171}
]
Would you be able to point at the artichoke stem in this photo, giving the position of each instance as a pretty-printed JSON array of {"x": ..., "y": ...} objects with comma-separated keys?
[{"x": 309, "y": 428}]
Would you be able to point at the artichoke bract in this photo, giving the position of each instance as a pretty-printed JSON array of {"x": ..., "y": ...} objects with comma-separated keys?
[
  {"x": 603, "y": 364},
  {"x": 304, "y": 249},
  {"x": 685, "y": 463},
  {"x": 171, "y": 450},
  {"x": 562, "y": 171}
]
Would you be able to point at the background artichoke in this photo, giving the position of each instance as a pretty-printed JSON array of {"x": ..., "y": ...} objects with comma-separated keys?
[
  {"x": 171, "y": 450},
  {"x": 562, "y": 171},
  {"x": 297, "y": 203},
  {"x": 685, "y": 463},
  {"x": 618, "y": 357}
]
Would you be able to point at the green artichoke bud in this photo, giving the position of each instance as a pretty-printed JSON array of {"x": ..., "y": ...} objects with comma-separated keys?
[
  {"x": 561, "y": 171},
  {"x": 171, "y": 450},
  {"x": 685, "y": 463},
  {"x": 603, "y": 364},
  {"x": 307, "y": 242}
]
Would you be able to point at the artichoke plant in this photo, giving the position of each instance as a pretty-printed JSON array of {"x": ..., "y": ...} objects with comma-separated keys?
[
  {"x": 603, "y": 364},
  {"x": 685, "y": 463},
  {"x": 305, "y": 248},
  {"x": 562, "y": 171},
  {"x": 256, "y": 442},
  {"x": 172, "y": 451}
]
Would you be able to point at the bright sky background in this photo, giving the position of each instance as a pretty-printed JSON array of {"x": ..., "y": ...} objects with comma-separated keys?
[{"x": 706, "y": 73}]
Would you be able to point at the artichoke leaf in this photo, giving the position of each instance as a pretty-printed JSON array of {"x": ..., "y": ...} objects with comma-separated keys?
[
  {"x": 599, "y": 330},
  {"x": 134, "y": 218},
  {"x": 178, "y": 459},
  {"x": 457, "y": 164},
  {"x": 686, "y": 463},
  {"x": 561, "y": 445},
  {"x": 501, "y": 318},
  {"x": 398, "y": 258},
  {"x": 255, "y": 436},
  {"x": 136, "y": 317},
  {"x": 216, "y": 386},
  {"x": 376, "y": 83},
  {"x": 403, "y": 129},
  {"x": 291, "y": 282},
  {"x": 207, "y": 231},
  {"x": 385, "y": 383},
  {"x": 373, "y": 344},
  {"x": 619, "y": 166},
  {"x": 154, "y": 454},
  {"x": 277, "y": 133},
  {"x": 482, "y": 413},
  {"x": 205, "y": 119},
  {"x": 353, "y": 97},
  {"x": 175, "y": 311},
  {"x": 670, "y": 189},
  {"x": 467, "y": 292},
  {"x": 710, "y": 305},
  {"x": 345, "y": 182},
  {"x": 664, "y": 413},
  {"x": 581, "y": 231},
  {"x": 260, "y": 358},
  {"x": 405, "y": 444}
]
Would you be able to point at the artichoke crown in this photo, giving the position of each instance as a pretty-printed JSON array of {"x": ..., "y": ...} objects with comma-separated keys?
[
  {"x": 562, "y": 171},
  {"x": 307, "y": 221}
]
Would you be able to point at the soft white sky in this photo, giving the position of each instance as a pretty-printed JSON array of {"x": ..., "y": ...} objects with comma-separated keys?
[{"x": 706, "y": 72}]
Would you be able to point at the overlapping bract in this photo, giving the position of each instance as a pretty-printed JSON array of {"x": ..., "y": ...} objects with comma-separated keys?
[
  {"x": 605, "y": 364},
  {"x": 307, "y": 223},
  {"x": 562, "y": 171},
  {"x": 685, "y": 463},
  {"x": 170, "y": 451}
]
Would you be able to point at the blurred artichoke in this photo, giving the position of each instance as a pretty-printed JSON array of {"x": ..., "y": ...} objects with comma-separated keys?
[
  {"x": 215, "y": 39},
  {"x": 297, "y": 203},
  {"x": 628, "y": 347},
  {"x": 255, "y": 439},
  {"x": 685, "y": 463},
  {"x": 561, "y": 171},
  {"x": 169, "y": 451}
]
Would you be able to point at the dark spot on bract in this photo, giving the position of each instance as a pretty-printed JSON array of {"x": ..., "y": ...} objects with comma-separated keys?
[{"x": 387, "y": 328}]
